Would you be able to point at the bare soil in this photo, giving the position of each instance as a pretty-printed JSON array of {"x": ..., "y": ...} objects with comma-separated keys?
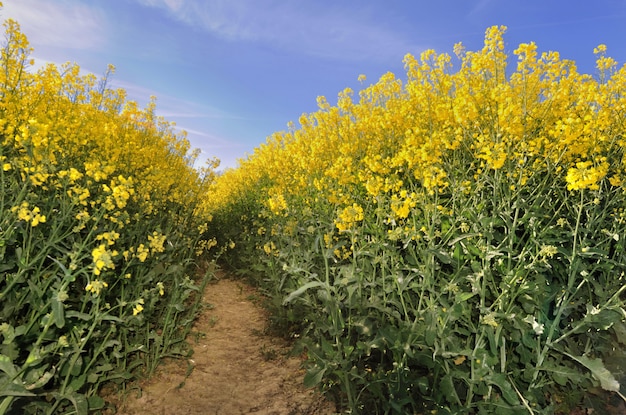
[{"x": 236, "y": 367}]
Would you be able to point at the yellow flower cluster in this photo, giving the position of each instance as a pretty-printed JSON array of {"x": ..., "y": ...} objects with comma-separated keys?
[
  {"x": 96, "y": 286},
  {"x": 102, "y": 259},
  {"x": 398, "y": 135},
  {"x": 349, "y": 216},
  {"x": 32, "y": 216},
  {"x": 156, "y": 241},
  {"x": 584, "y": 175},
  {"x": 70, "y": 133},
  {"x": 399, "y": 144}
]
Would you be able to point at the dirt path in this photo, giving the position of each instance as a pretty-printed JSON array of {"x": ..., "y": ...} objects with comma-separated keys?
[{"x": 237, "y": 368}]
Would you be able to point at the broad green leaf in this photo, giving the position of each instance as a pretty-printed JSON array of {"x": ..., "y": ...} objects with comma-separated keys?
[
  {"x": 314, "y": 376},
  {"x": 110, "y": 317},
  {"x": 78, "y": 382},
  {"x": 45, "y": 378},
  {"x": 464, "y": 296},
  {"x": 508, "y": 393},
  {"x": 301, "y": 290},
  {"x": 561, "y": 374},
  {"x": 607, "y": 380},
  {"x": 13, "y": 389},
  {"x": 78, "y": 400},
  {"x": 447, "y": 387},
  {"x": 620, "y": 332},
  {"x": 95, "y": 402},
  {"x": 79, "y": 315},
  {"x": 6, "y": 365}
]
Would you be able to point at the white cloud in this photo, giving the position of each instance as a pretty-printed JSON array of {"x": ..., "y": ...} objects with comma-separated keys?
[
  {"x": 66, "y": 24},
  {"x": 170, "y": 107},
  {"x": 331, "y": 32}
]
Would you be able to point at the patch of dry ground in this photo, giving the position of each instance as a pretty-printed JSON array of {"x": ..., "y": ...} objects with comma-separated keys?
[{"x": 236, "y": 367}]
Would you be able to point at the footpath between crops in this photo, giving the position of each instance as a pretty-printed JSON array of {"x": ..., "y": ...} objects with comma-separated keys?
[{"x": 237, "y": 366}]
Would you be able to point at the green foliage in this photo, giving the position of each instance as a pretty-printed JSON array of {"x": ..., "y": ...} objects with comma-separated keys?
[{"x": 511, "y": 305}]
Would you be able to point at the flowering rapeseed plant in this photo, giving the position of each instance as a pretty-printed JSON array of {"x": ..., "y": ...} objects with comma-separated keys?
[
  {"x": 85, "y": 174},
  {"x": 439, "y": 237}
]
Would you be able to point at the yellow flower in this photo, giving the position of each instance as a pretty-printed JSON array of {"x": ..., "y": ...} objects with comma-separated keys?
[
  {"x": 161, "y": 288},
  {"x": 615, "y": 181},
  {"x": 102, "y": 259},
  {"x": 585, "y": 175},
  {"x": 548, "y": 251},
  {"x": 277, "y": 204},
  {"x": 138, "y": 308},
  {"x": 156, "y": 242},
  {"x": 142, "y": 252},
  {"x": 109, "y": 237},
  {"x": 269, "y": 248},
  {"x": 33, "y": 216},
  {"x": 95, "y": 287},
  {"x": 600, "y": 49},
  {"x": 349, "y": 216}
]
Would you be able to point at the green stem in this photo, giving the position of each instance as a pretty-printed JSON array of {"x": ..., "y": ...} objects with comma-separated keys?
[{"x": 564, "y": 301}]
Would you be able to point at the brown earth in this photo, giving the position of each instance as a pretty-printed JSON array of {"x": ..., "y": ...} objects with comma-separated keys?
[{"x": 236, "y": 367}]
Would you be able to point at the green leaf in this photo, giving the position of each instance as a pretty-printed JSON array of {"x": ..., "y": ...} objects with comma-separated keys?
[
  {"x": 6, "y": 365},
  {"x": 58, "y": 312},
  {"x": 464, "y": 296},
  {"x": 95, "y": 402},
  {"x": 78, "y": 382},
  {"x": 561, "y": 374},
  {"x": 45, "y": 378},
  {"x": 314, "y": 376},
  {"x": 508, "y": 393},
  {"x": 13, "y": 389},
  {"x": 301, "y": 290},
  {"x": 447, "y": 387},
  {"x": 110, "y": 317},
  {"x": 78, "y": 400},
  {"x": 620, "y": 332},
  {"x": 607, "y": 380},
  {"x": 600, "y": 318},
  {"x": 79, "y": 315}
]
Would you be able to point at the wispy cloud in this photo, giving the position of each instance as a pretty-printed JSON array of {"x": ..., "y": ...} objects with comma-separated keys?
[
  {"x": 198, "y": 120},
  {"x": 58, "y": 23},
  {"x": 337, "y": 32},
  {"x": 171, "y": 107}
]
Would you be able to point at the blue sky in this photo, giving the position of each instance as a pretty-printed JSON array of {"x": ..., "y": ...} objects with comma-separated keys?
[{"x": 232, "y": 72}]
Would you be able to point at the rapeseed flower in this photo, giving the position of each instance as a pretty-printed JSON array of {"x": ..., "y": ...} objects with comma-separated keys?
[
  {"x": 156, "y": 241},
  {"x": 32, "y": 216},
  {"x": 142, "y": 252},
  {"x": 349, "y": 216},
  {"x": 102, "y": 259},
  {"x": 586, "y": 175},
  {"x": 95, "y": 287},
  {"x": 138, "y": 307}
]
